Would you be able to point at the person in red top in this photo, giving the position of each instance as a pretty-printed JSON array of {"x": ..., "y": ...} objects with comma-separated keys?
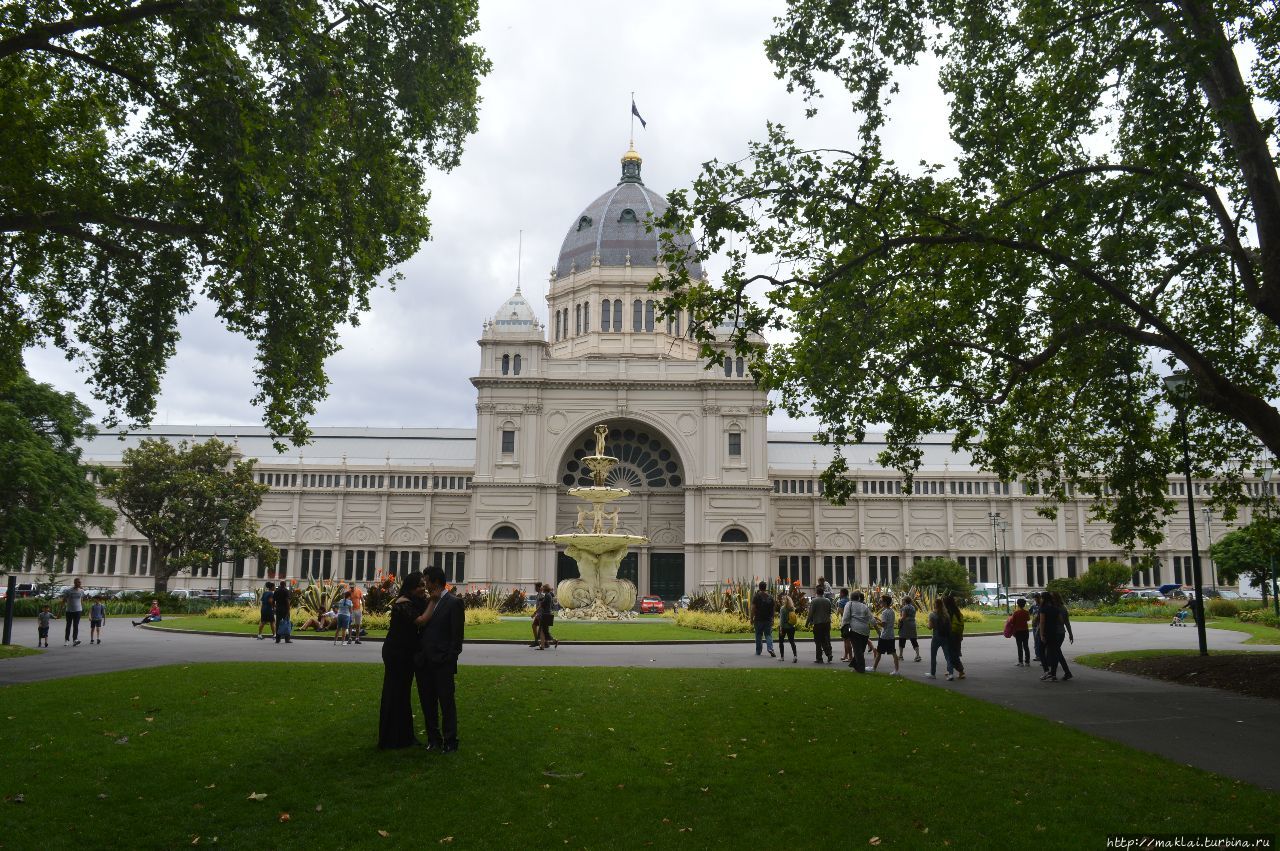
[{"x": 1020, "y": 626}]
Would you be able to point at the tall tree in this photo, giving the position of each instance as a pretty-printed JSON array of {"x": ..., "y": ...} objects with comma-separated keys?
[
  {"x": 175, "y": 496},
  {"x": 1114, "y": 211},
  {"x": 47, "y": 496},
  {"x": 1249, "y": 553},
  {"x": 271, "y": 156}
]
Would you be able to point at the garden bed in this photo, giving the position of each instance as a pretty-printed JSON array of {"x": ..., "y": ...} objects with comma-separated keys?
[{"x": 1253, "y": 673}]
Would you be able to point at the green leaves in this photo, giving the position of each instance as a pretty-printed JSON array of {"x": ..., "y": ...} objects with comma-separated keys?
[
  {"x": 272, "y": 157},
  {"x": 175, "y": 496},
  {"x": 1109, "y": 217}
]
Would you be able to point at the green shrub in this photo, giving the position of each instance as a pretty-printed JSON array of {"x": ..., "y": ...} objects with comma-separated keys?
[
  {"x": 248, "y": 614},
  {"x": 721, "y": 622},
  {"x": 513, "y": 603},
  {"x": 1102, "y": 579},
  {"x": 943, "y": 574},
  {"x": 1219, "y": 608},
  {"x": 1067, "y": 587},
  {"x": 29, "y": 607},
  {"x": 475, "y": 615},
  {"x": 1261, "y": 616}
]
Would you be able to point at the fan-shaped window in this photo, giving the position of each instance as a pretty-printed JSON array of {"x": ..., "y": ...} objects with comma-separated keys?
[
  {"x": 733, "y": 536},
  {"x": 628, "y": 215},
  {"x": 515, "y": 365},
  {"x": 648, "y": 315},
  {"x": 584, "y": 222},
  {"x": 604, "y": 315},
  {"x": 506, "y": 533},
  {"x": 644, "y": 460},
  {"x": 506, "y": 364},
  {"x": 617, "y": 314},
  {"x": 637, "y": 315}
]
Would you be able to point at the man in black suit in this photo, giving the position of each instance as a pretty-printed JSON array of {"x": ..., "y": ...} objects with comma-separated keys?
[{"x": 439, "y": 645}]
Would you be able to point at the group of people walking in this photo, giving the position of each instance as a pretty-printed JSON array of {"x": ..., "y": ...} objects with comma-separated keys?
[
  {"x": 423, "y": 642},
  {"x": 544, "y": 616},
  {"x": 1050, "y": 623}
]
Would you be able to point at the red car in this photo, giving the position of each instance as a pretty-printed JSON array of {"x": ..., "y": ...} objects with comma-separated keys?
[{"x": 651, "y": 605}]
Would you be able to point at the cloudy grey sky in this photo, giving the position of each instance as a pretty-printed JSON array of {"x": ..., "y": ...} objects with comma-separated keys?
[{"x": 553, "y": 124}]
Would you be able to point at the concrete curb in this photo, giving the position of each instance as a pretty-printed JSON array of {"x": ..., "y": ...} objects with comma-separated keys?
[{"x": 684, "y": 642}]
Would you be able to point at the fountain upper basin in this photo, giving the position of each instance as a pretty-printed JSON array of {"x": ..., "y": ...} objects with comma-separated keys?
[{"x": 598, "y": 544}]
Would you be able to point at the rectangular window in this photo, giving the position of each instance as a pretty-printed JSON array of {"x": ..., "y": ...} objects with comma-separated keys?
[
  {"x": 735, "y": 445},
  {"x": 508, "y": 442},
  {"x": 283, "y": 570},
  {"x": 1071, "y": 567}
]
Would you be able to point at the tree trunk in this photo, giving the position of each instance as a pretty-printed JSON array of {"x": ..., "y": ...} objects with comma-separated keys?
[{"x": 160, "y": 563}]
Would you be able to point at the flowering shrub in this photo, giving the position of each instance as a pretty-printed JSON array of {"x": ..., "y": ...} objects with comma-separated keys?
[
  {"x": 1260, "y": 616},
  {"x": 481, "y": 614},
  {"x": 378, "y": 596},
  {"x": 248, "y": 614},
  {"x": 513, "y": 603},
  {"x": 721, "y": 622},
  {"x": 473, "y": 598}
]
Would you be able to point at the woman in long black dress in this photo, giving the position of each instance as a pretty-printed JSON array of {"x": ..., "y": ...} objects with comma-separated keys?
[{"x": 395, "y": 716}]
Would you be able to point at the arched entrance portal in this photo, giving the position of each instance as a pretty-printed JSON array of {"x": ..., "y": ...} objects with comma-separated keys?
[{"x": 651, "y": 469}]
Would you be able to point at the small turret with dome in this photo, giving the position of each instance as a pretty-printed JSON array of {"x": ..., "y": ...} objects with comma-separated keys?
[
  {"x": 513, "y": 342},
  {"x": 516, "y": 316}
]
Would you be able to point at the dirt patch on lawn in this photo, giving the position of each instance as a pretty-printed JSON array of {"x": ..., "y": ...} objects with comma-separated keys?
[{"x": 1254, "y": 674}]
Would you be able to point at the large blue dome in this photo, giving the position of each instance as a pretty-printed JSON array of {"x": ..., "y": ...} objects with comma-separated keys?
[{"x": 613, "y": 227}]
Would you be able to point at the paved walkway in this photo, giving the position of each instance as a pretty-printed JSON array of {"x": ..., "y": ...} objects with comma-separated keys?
[{"x": 1230, "y": 734}]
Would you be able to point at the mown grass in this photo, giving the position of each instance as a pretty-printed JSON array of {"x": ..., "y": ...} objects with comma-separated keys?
[
  {"x": 1102, "y": 660},
  {"x": 576, "y": 757},
  {"x": 1258, "y": 633},
  {"x": 12, "y": 651}
]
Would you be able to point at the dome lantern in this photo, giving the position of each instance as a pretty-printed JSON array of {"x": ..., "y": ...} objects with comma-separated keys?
[{"x": 631, "y": 167}]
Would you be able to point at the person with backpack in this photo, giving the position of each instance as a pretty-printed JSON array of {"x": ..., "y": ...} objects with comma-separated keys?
[
  {"x": 787, "y": 620},
  {"x": 956, "y": 635},
  {"x": 282, "y": 599}
]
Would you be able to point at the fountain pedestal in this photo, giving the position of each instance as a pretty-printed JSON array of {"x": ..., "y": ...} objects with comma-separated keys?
[{"x": 597, "y": 593}]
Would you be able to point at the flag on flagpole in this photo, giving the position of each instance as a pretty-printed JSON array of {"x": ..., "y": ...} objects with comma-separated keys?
[{"x": 637, "y": 114}]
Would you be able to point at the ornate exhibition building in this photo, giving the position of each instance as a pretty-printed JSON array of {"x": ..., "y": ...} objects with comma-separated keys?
[{"x": 717, "y": 494}]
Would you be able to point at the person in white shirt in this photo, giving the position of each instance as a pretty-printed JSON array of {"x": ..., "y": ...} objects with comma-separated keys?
[{"x": 856, "y": 623}]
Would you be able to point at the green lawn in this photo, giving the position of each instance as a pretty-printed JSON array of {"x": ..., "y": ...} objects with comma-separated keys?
[
  {"x": 1101, "y": 660},
  {"x": 575, "y": 757},
  {"x": 11, "y": 651}
]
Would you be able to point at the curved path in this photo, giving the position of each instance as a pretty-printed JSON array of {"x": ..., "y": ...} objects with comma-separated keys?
[{"x": 1230, "y": 734}]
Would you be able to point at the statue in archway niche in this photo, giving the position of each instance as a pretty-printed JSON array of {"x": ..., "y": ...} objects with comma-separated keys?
[{"x": 597, "y": 593}]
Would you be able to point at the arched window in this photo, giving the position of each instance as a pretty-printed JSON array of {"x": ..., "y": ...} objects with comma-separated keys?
[
  {"x": 604, "y": 315},
  {"x": 617, "y": 315},
  {"x": 506, "y": 364},
  {"x": 586, "y": 317},
  {"x": 728, "y": 367},
  {"x": 557, "y": 325},
  {"x": 515, "y": 366},
  {"x": 637, "y": 315},
  {"x": 737, "y": 367},
  {"x": 506, "y": 533},
  {"x": 733, "y": 536},
  {"x": 577, "y": 319},
  {"x": 648, "y": 315},
  {"x": 566, "y": 322}
]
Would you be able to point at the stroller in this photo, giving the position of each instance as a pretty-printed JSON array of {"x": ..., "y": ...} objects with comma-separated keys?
[{"x": 1180, "y": 617}]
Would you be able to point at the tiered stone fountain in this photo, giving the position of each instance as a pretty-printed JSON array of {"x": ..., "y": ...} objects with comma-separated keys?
[{"x": 598, "y": 593}]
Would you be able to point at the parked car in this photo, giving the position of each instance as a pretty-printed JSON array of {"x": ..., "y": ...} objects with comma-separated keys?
[
  {"x": 246, "y": 597},
  {"x": 652, "y": 605},
  {"x": 683, "y": 602},
  {"x": 185, "y": 593},
  {"x": 1144, "y": 594}
]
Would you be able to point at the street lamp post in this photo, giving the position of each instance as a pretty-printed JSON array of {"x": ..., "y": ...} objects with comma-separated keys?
[
  {"x": 1267, "y": 472},
  {"x": 217, "y": 553},
  {"x": 1176, "y": 385},
  {"x": 998, "y": 526},
  {"x": 1208, "y": 528}
]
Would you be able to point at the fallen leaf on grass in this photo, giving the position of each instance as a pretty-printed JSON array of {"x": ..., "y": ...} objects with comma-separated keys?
[
  {"x": 383, "y": 834},
  {"x": 149, "y": 719},
  {"x": 211, "y": 786},
  {"x": 319, "y": 808},
  {"x": 195, "y": 841},
  {"x": 123, "y": 740},
  {"x": 686, "y": 830},
  {"x": 706, "y": 788},
  {"x": 257, "y": 796},
  {"x": 284, "y": 817},
  {"x": 732, "y": 756},
  {"x": 875, "y": 840},
  {"x": 446, "y": 840}
]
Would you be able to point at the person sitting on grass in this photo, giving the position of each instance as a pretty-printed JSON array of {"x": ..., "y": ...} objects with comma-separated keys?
[
  {"x": 320, "y": 623},
  {"x": 153, "y": 615}
]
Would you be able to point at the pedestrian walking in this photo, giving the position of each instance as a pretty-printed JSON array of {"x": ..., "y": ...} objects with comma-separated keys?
[
  {"x": 819, "y": 618},
  {"x": 1037, "y": 599},
  {"x": 841, "y": 602},
  {"x": 97, "y": 617},
  {"x": 73, "y": 597},
  {"x": 787, "y": 621},
  {"x": 886, "y": 644},
  {"x": 1018, "y": 626},
  {"x": 857, "y": 624},
  {"x": 266, "y": 610},
  {"x": 395, "y": 712},
  {"x": 762, "y": 618},
  {"x": 956, "y": 635},
  {"x": 1057, "y": 631},
  {"x": 940, "y": 631},
  {"x": 42, "y": 626},
  {"x": 439, "y": 645},
  {"x": 537, "y": 613},
  {"x": 907, "y": 628},
  {"x": 282, "y": 600},
  {"x": 546, "y": 619}
]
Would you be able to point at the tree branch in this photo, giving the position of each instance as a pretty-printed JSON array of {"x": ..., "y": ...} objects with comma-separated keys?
[
  {"x": 40, "y": 34},
  {"x": 51, "y": 220},
  {"x": 157, "y": 95}
]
